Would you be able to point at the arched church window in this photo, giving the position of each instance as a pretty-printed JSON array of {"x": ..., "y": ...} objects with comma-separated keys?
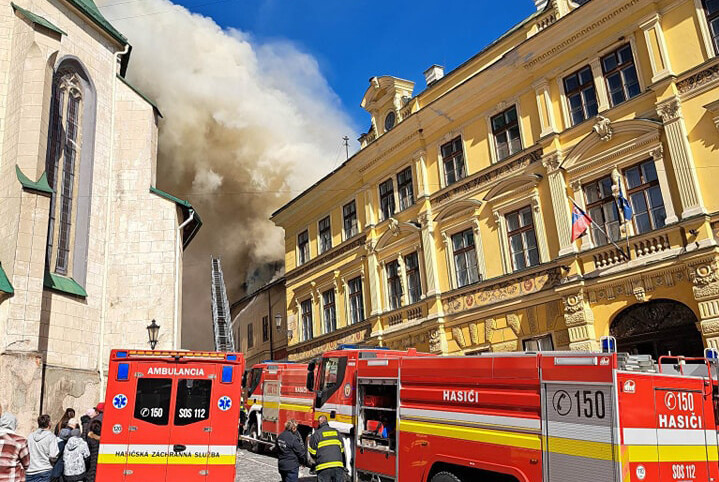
[{"x": 69, "y": 169}]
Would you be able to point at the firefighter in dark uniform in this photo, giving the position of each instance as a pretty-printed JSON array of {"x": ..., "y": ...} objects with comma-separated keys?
[
  {"x": 327, "y": 449},
  {"x": 290, "y": 452}
]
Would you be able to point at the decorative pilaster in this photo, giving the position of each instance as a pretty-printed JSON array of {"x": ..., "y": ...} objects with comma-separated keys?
[
  {"x": 544, "y": 106},
  {"x": 503, "y": 242},
  {"x": 579, "y": 319},
  {"x": 660, "y": 167},
  {"x": 705, "y": 278},
  {"x": 479, "y": 248},
  {"x": 681, "y": 156},
  {"x": 657, "y": 47},
  {"x": 448, "y": 257},
  {"x": 540, "y": 232},
  {"x": 429, "y": 253},
  {"x": 438, "y": 340},
  {"x": 602, "y": 97},
  {"x": 420, "y": 167},
  {"x": 373, "y": 278},
  {"x": 560, "y": 203}
]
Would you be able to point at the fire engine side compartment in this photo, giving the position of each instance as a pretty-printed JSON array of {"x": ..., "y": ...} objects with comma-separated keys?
[
  {"x": 668, "y": 427},
  {"x": 476, "y": 412}
]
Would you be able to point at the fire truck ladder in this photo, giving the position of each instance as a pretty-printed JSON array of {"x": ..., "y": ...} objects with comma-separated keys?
[{"x": 224, "y": 341}]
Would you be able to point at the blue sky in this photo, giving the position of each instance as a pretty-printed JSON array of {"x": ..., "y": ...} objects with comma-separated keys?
[{"x": 354, "y": 40}]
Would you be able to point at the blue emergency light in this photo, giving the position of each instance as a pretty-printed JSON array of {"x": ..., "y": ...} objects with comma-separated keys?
[
  {"x": 227, "y": 373},
  {"x": 232, "y": 357},
  {"x": 121, "y": 354},
  {"x": 609, "y": 344},
  {"x": 123, "y": 371},
  {"x": 346, "y": 346}
]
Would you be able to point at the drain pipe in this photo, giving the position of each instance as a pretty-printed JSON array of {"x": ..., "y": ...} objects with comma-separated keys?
[
  {"x": 178, "y": 259},
  {"x": 108, "y": 215}
]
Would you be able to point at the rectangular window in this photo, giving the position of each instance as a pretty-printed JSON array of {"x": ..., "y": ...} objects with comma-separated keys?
[
  {"x": 325, "y": 235},
  {"x": 355, "y": 299},
  {"x": 250, "y": 336},
  {"x": 711, "y": 7},
  {"x": 620, "y": 75},
  {"x": 303, "y": 247},
  {"x": 414, "y": 283},
  {"x": 394, "y": 285},
  {"x": 386, "y": 199},
  {"x": 307, "y": 329},
  {"x": 265, "y": 328},
  {"x": 453, "y": 161},
  {"x": 581, "y": 95},
  {"x": 541, "y": 343},
  {"x": 329, "y": 311},
  {"x": 67, "y": 186},
  {"x": 505, "y": 127},
  {"x": 465, "y": 258},
  {"x": 645, "y": 196},
  {"x": 349, "y": 217},
  {"x": 522, "y": 238},
  {"x": 404, "y": 189},
  {"x": 152, "y": 400},
  {"x": 192, "y": 403},
  {"x": 602, "y": 208}
]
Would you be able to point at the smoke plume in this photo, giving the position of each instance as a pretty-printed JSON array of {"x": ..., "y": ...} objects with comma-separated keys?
[{"x": 247, "y": 126}]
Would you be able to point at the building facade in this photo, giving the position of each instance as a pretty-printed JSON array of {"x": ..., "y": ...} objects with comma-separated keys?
[
  {"x": 259, "y": 322},
  {"x": 451, "y": 229},
  {"x": 90, "y": 250}
]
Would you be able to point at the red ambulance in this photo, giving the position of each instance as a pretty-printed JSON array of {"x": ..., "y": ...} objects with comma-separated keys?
[{"x": 171, "y": 416}]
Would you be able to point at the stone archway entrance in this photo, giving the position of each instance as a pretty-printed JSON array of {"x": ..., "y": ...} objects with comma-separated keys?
[{"x": 656, "y": 328}]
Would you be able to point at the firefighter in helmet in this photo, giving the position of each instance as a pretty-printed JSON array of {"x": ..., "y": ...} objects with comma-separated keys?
[{"x": 327, "y": 449}]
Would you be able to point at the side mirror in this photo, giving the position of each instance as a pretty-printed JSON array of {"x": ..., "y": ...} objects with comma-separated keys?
[
  {"x": 244, "y": 380},
  {"x": 311, "y": 376}
]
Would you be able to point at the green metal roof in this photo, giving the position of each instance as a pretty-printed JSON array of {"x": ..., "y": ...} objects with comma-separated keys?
[
  {"x": 5, "y": 285},
  {"x": 141, "y": 94},
  {"x": 191, "y": 230},
  {"x": 89, "y": 8},
  {"x": 37, "y": 19},
  {"x": 64, "y": 285},
  {"x": 40, "y": 186}
]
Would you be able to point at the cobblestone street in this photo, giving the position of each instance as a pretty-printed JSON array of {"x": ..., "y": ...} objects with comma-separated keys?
[{"x": 263, "y": 468}]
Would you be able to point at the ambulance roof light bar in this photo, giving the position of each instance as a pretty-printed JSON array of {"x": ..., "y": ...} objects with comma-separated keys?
[
  {"x": 346, "y": 346},
  {"x": 711, "y": 354},
  {"x": 609, "y": 344},
  {"x": 176, "y": 354}
]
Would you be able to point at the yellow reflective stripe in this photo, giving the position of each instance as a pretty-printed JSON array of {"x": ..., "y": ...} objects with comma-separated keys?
[
  {"x": 113, "y": 459},
  {"x": 671, "y": 453},
  {"x": 327, "y": 443},
  {"x": 338, "y": 418},
  {"x": 329, "y": 465},
  {"x": 583, "y": 448},
  {"x": 311, "y": 450},
  {"x": 295, "y": 408},
  {"x": 329, "y": 433},
  {"x": 497, "y": 437}
]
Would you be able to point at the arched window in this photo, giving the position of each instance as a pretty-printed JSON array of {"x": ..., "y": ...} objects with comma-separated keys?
[{"x": 69, "y": 169}]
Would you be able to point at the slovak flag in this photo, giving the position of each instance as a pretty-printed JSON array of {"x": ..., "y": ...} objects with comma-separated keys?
[{"x": 580, "y": 223}]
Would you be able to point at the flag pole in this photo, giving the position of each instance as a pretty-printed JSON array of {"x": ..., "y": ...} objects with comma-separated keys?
[{"x": 625, "y": 255}]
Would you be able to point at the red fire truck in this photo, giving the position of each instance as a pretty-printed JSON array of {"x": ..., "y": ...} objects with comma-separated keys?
[
  {"x": 171, "y": 415},
  {"x": 274, "y": 393},
  {"x": 553, "y": 416},
  {"x": 333, "y": 377}
]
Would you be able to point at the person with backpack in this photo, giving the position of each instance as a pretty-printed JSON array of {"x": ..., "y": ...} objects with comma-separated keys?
[{"x": 74, "y": 455}]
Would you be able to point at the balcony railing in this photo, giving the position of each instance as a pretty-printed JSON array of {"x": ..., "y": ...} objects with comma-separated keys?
[
  {"x": 639, "y": 247},
  {"x": 400, "y": 318}
]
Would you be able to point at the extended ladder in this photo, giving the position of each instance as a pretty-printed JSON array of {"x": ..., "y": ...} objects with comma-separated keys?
[{"x": 224, "y": 341}]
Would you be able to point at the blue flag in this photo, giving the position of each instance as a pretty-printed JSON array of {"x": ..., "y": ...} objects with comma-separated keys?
[{"x": 625, "y": 207}]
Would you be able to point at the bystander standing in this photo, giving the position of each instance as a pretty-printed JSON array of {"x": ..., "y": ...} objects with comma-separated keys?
[
  {"x": 14, "y": 455},
  {"x": 44, "y": 451}
]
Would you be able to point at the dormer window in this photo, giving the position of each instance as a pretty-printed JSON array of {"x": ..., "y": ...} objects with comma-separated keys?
[{"x": 389, "y": 121}]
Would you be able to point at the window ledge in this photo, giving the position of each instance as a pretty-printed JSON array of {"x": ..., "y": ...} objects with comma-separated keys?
[{"x": 64, "y": 284}]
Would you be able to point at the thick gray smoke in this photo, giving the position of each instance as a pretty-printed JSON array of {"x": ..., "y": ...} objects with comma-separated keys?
[{"x": 246, "y": 127}]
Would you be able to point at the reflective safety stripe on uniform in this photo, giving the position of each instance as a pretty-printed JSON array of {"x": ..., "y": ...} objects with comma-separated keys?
[
  {"x": 327, "y": 443},
  {"x": 311, "y": 451},
  {"x": 329, "y": 433},
  {"x": 149, "y": 454},
  {"x": 329, "y": 465}
]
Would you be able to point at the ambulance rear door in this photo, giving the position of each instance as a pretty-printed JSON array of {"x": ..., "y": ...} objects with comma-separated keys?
[
  {"x": 224, "y": 414},
  {"x": 149, "y": 428},
  {"x": 190, "y": 421}
]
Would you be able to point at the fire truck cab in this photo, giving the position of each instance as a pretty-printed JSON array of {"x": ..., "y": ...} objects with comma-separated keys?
[
  {"x": 170, "y": 415},
  {"x": 531, "y": 417},
  {"x": 333, "y": 376},
  {"x": 275, "y": 392}
]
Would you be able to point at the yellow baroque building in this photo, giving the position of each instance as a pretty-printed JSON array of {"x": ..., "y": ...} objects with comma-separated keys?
[{"x": 451, "y": 229}]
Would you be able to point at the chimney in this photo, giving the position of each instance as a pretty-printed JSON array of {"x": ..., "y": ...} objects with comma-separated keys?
[
  {"x": 540, "y": 4},
  {"x": 433, "y": 74}
]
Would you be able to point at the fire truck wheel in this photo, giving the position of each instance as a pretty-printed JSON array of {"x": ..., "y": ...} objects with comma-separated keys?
[
  {"x": 255, "y": 447},
  {"x": 445, "y": 477}
]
